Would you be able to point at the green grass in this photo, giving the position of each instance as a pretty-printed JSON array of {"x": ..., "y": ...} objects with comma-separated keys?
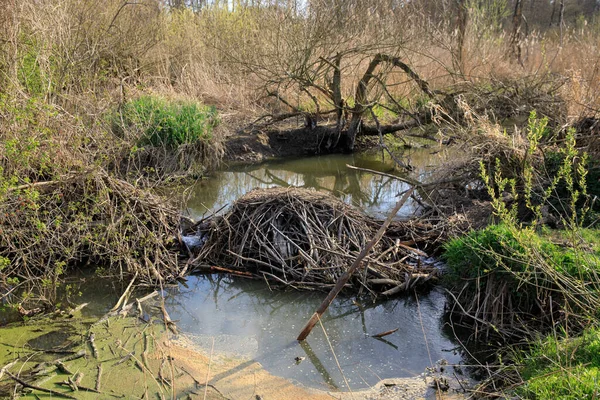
[
  {"x": 562, "y": 367},
  {"x": 483, "y": 251},
  {"x": 164, "y": 123},
  {"x": 537, "y": 266},
  {"x": 384, "y": 113}
]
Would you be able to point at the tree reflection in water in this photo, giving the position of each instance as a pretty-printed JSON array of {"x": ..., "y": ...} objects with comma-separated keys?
[{"x": 375, "y": 194}]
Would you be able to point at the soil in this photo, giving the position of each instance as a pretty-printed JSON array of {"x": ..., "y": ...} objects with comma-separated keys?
[
  {"x": 250, "y": 145},
  {"x": 234, "y": 378},
  {"x": 261, "y": 145}
]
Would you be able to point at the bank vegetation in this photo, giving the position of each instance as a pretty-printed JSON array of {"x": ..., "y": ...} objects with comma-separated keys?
[{"x": 101, "y": 103}]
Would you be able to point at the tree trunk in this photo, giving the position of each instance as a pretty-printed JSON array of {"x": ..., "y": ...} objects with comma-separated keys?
[
  {"x": 515, "y": 38},
  {"x": 561, "y": 20},
  {"x": 461, "y": 30},
  {"x": 361, "y": 99},
  {"x": 553, "y": 12},
  {"x": 336, "y": 88}
]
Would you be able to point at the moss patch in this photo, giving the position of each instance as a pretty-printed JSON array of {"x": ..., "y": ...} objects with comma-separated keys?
[{"x": 126, "y": 353}]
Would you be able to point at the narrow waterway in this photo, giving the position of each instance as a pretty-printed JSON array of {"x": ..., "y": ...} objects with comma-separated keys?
[
  {"x": 372, "y": 193},
  {"x": 249, "y": 319}
]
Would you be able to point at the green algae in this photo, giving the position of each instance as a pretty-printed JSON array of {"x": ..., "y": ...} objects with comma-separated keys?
[{"x": 125, "y": 352}]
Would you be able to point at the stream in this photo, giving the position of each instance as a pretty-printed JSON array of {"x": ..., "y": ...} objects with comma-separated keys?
[
  {"x": 247, "y": 319},
  {"x": 374, "y": 194}
]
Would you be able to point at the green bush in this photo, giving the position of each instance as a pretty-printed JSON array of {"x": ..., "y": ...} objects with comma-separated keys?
[
  {"x": 519, "y": 276},
  {"x": 553, "y": 161},
  {"x": 481, "y": 251},
  {"x": 163, "y": 123},
  {"x": 31, "y": 76},
  {"x": 514, "y": 251}
]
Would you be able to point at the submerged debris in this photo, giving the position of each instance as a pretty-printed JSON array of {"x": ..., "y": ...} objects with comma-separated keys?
[{"x": 307, "y": 239}]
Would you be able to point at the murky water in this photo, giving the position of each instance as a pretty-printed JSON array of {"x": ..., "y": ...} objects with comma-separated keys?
[
  {"x": 248, "y": 319},
  {"x": 375, "y": 194}
]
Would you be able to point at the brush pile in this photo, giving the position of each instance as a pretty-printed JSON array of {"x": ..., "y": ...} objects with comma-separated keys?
[
  {"x": 307, "y": 239},
  {"x": 87, "y": 218}
]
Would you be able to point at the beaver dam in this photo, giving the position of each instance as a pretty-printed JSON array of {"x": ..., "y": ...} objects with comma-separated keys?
[{"x": 304, "y": 238}]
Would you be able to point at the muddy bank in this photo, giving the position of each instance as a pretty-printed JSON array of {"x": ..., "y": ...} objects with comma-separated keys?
[
  {"x": 257, "y": 146},
  {"x": 241, "y": 378},
  {"x": 260, "y": 145}
]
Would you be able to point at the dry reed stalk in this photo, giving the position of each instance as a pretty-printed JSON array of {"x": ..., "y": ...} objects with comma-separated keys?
[{"x": 90, "y": 218}]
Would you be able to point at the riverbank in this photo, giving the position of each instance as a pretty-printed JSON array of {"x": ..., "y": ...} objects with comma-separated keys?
[
  {"x": 530, "y": 280},
  {"x": 59, "y": 198},
  {"x": 103, "y": 103}
]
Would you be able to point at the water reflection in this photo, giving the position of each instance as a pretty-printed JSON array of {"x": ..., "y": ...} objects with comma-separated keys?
[
  {"x": 375, "y": 194},
  {"x": 246, "y": 318}
]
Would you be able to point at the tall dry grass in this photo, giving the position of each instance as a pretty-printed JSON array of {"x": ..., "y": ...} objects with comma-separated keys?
[{"x": 92, "y": 55}]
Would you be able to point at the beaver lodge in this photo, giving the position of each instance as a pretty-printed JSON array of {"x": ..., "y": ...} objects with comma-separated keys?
[{"x": 306, "y": 239}]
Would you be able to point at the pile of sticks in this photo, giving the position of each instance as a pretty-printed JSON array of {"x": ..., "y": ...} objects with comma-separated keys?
[
  {"x": 307, "y": 239},
  {"x": 89, "y": 218}
]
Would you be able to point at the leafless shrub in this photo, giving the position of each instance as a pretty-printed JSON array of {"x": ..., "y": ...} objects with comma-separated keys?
[{"x": 48, "y": 228}]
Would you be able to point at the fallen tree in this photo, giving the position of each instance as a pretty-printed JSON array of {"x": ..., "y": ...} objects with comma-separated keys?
[{"x": 350, "y": 119}]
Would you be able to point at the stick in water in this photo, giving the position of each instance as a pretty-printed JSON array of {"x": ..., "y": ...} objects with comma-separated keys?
[
  {"x": 98, "y": 378},
  {"x": 41, "y": 389},
  {"x": 346, "y": 275},
  {"x": 382, "y": 334},
  {"x": 125, "y": 295},
  {"x": 208, "y": 370}
]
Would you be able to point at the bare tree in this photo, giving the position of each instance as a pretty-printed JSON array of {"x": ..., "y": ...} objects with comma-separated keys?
[
  {"x": 561, "y": 20},
  {"x": 462, "y": 17},
  {"x": 516, "y": 34},
  {"x": 331, "y": 66}
]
